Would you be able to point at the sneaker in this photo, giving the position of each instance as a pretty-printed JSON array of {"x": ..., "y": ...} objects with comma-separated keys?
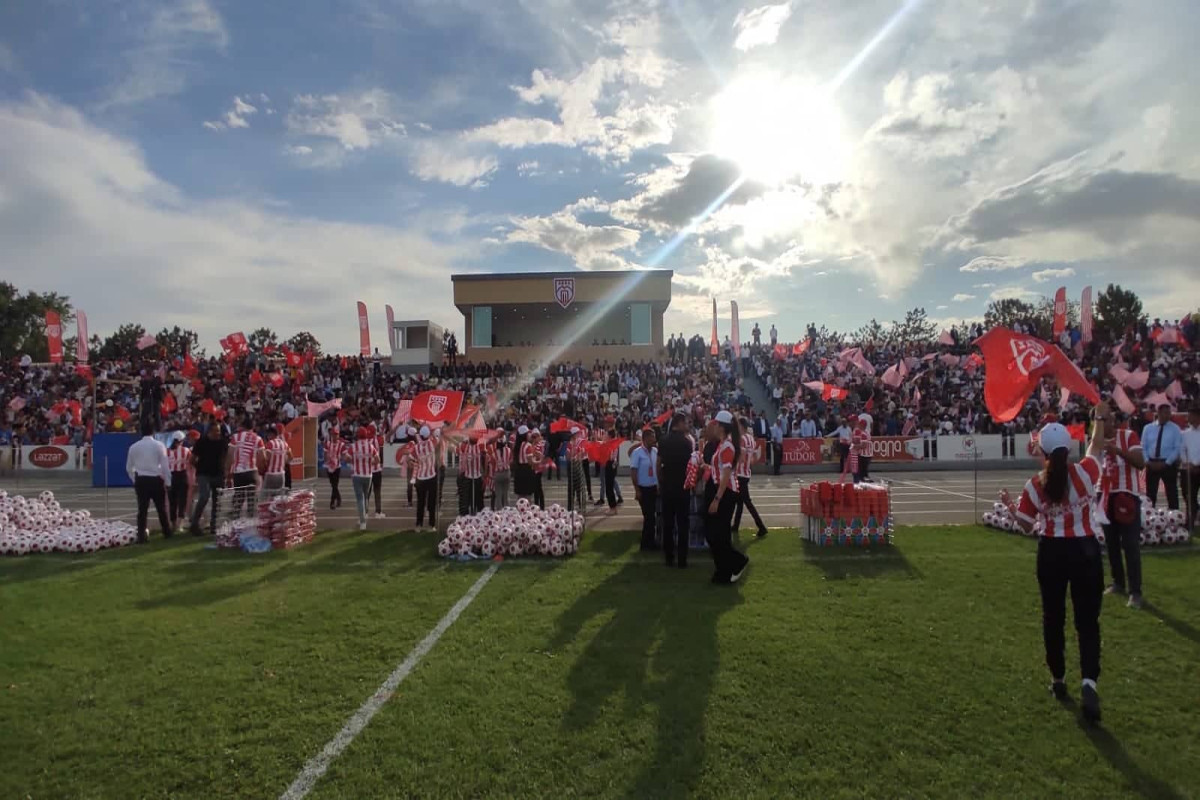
[
  {"x": 379, "y": 515},
  {"x": 599, "y": 502},
  {"x": 362, "y": 526},
  {"x": 762, "y": 532},
  {"x": 1135, "y": 601},
  {"x": 1115, "y": 588},
  {"x": 737, "y": 575},
  {"x": 1090, "y": 705},
  {"x": 1059, "y": 690}
]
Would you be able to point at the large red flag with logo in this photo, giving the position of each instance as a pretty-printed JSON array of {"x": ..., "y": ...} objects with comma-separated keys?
[
  {"x": 54, "y": 336},
  {"x": 437, "y": 406},
  {"x": 1060, "y": 310},
  {"x": 800, "y": 348},
  {"x": 364, "y": 330},
  {"x": 1014, "y": 365}
]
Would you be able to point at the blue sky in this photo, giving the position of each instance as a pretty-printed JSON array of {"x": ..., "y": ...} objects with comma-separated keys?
[{"x": 223, "y": 165}]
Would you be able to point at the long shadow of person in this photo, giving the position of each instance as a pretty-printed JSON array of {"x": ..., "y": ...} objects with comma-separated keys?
[
  {"x": 659, "y": 646},
  {"x": 1138, "y": 779}
]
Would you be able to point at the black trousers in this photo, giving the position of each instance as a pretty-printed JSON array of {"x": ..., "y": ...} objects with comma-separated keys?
[
  {"x": 718, "y": 532},
  {"x": 864, "y": 469},
  {"x": 151, "y": 489},
  {"x": 1168, "y": 476},
  {"x": 427, "y": 495},
  {"x": 411, "y": 485},
  {"x": 676, "y": 523},
  {"x": 1073, "y": 564},
  {"x": 1189, "y": 486},
  {"x": 1124, "y": 545},
  {"x": 843, "y": 454},
  {"x": 744, "y": 501},
  {"x": 777, "y": 457},
  {"x": 335, "y": 495},
  {"x": 610, "y": 484},
  {"x": 587, "y": 476},
  {"x": 377, "y": 490},
  {"x": 470, "y": 495},
  {"x": 539, "y": 494},
  {"x": 575, "y": 476},
  {"x": 244, "y": 486},
  {"x": 648, "y": 501},
  {"x": 178, "y": 496}
]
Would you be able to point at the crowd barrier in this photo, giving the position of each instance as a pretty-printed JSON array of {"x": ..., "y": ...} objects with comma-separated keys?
[{"x": 911, "y": 449}]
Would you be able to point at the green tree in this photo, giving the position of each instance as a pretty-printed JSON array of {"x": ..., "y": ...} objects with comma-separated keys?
[
  {"x": 23, "y": 321},
  {"x": 1005, "y": 313},
  {"x": 1043, "y": 316},
  {"x": 871, "y": 332},
  {"x": 915, "y": 328},
  {"x": 304, "y": 342},
  {"x": 179, "y": 340},
  {"x": 122, "y": 343},
  {"x": 1116, "y": 310},
  {"x": 262, "y": 337}
]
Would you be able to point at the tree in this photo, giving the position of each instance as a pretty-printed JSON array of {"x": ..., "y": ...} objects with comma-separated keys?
[
  {"x": 1007, "y": 312},
  {"x": 260, "y": 338},
  {"x": 872, "y": 332},
  {"x": 23, "y": 321},
  {"x": 178, "y": 341},
  {"x": 304, "y": 342},
  {"x": 915, "y": 328},
  {"x": 1043, "y": 316},
  {"x": 1117, "y": 309},
  {"x": 122, "y": 343}
]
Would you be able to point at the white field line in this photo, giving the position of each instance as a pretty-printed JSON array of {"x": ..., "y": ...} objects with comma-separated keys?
[
  {"x": 316, "y": 767},
  {"x": 970, "y": 497}
]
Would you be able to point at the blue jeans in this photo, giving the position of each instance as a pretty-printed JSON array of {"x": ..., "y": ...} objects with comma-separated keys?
[{"x": 361, "y": 484}]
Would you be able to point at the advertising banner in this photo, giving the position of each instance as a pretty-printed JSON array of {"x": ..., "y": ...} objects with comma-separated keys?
[
  {"x": 49, "y": 457},
  {"x": 968, "y": 448},
  {"x": 808, "y": 451}
]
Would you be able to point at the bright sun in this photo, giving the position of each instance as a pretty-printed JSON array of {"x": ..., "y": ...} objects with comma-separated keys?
[{"x": 779, "y": 128}]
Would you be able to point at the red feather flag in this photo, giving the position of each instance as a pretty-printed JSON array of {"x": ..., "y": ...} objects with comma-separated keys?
[
  {"x": 601, "y": 452},
  {"x": 1015, "y": 365},
  {"x": 564, "y": 424}
]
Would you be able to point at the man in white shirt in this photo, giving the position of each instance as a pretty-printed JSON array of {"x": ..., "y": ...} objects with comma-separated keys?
[
  {"x": 289, "y": 411},
  {"x": 808, "y": 426},
  {"x": 150, "y": 470},
  {"x": 1189, "y": 466},
  {"x": 843, "y": 435}
]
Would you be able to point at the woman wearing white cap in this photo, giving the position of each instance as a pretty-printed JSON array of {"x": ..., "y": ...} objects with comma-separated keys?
[
  {"x": 523, "y": 463},
  {"x": 720, "y": 498},
  {"x": 1062, "y": 497},
  {"x": 538, "y": 459}
]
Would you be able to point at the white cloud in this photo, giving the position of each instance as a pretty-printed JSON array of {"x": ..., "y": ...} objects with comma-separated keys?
[
  {"x": 159, "y": 60},
  {"x": 236, "y": 116},
  {"x": 1013, "y": 293},
  {"x": 529, "y": 169},
  {"x": 355, "y": 122},
  {"x": 994, "y": 264},
  {"x": 84, "y": 212},
  {"x": 589, "y": 246},
  {"x": 962, "y": 297},
  {"x": 941, "y": 308},
  {"x": 450, "y": 162},
  {"x": 298, "y": 150},
  {"x": 1041, "y": 276},
  {"x": 760, "y": 26},
  {"x": 985, "y": 286}
]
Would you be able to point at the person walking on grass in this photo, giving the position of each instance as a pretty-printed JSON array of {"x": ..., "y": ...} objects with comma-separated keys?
[
  {"x": 720, "y": 498},
  {"x": 1122, "y": 508},
  {"x": 1062, "y": 497},
  {"x": 643, "y": 470},
  {"x": 742, "y": 473}
]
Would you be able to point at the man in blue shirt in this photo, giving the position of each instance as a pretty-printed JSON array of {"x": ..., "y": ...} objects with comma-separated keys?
[
  {"x": 645, "y": 484},
  {"x": 1162, "y": 441}
]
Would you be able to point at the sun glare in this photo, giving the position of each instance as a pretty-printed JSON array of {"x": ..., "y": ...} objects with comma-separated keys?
[{"x": 777, "y": 129}]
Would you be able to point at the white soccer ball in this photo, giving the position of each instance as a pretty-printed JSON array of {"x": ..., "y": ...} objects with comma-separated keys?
[
  {"x": 46, "y": 496},
  {"x": 1169, "y": 536},
  {"x": 515, "y": 549},
  {"x": 1177, "y": 518},
  {"x": 488, "y": 549},
  {"x": 445, "y": 547}
]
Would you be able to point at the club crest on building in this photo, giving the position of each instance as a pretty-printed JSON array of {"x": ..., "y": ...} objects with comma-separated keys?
[{"x": 564, "y": 291}]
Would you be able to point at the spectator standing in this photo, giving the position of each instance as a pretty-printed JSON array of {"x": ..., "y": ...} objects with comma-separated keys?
[
  {"x": 808, "y": 426},
  {"x": 674, "y": 453},
  {"x": 1189, "y": 466},
  {"x": 243, "y": 475},
  {"x": 1162, "y": 443},
  {"x": 178, "y": 458},
  {"x": 1121, "y": 507},
  {"x": 774, "y": 335},
  {"x": 643, "y": 469},
  {"x": 150, "y": 471},
  {"x": 742, "y": 473},
  {"x": 720, "y": 497},
  {"x": 843, "y": 434},
  {"x": 777, "y": 444},
  {"x": 209, "y": 457}
]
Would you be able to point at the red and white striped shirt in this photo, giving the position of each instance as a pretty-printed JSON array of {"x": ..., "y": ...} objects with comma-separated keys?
[
  {"x": 575, "y": 451},
  {"x": 528, "y": 454},
  {"x": 1073, "y": 518},
  {"x": 470, "y": 460},
  {"x": 747, "y": 457},
  {"x": 334, "y": 449},
  {"x": 278, "y": 455},
  {"x": 860, "y": 442},
  {"x": 177, "y": 458},
  {"x": 722, "y": 460},
  {"x": 245, "y": 446},
  {"x": 1119, "y": 475},
  {"x": 501, "y": 457},
  {"x": 364, "y": 457},
  {"x": 424, "y": 455}
]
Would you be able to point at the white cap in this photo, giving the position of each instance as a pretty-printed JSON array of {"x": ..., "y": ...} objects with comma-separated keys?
[
  {"x": 521, "y": 431},
  {"x": 412, "y": 431},
  {"x": 723, "y": 417},
  {"x": 574, "y": 429},
  {"x": 424, "y": 431},
  {"x": 178, "y": 436},
  {"x": 637, "y": 434},
  {"x": 864, "y": 417},
  {"x": 1054, "y": 436}
]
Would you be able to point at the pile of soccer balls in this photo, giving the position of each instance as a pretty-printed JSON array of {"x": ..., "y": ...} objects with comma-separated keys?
[
  {"x": 1159, "y": 526},
  {"x": 41, "y": 525},
  {"x": 514, "y": 531}
]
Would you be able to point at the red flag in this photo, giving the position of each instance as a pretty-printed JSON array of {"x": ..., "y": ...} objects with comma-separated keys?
[
  {"x": 945, "y": 338},
  {"x": 1078, "y": 432},
  {"x": 662, "y": 418},
  {"x": 780, "y": 352},
  {"x": 1085, "y": 315},
  {"x": 343, "y": 362},
  {"x": 54, "y": 336},
  {"x": 76, "y": 411},
  {"x": 269, "y": 350},
  {"x": 974, "y": 361},
  {"x": 1137, "y": 380},
  {"x": 1015, "y": 364},
  {"x": 146, "y": 341},
  {"x": 734, "y": 332},
  {"x": 317, "y": 409},
  {"x": 169, "y": 404},
  {"x": 256, "y": 377},
  {"x": 276, "y": 379},
  {"x": 564, "y": 424},
  {"x": 189, "y": 366},
  {"x": 238, "y": 345},
  {"x": 122, "y": 413},
  {"x": 81, "y": 337},
  {"x": 225, "y": 345},
  {"x": 294, "y": 359},
  {"x": 17, "y": 403},
  {"x": 835, "y": 394},
  {"x": 364, "y": 331},
  {"x": 198, "y": 386},
  {"x": 84, "y": 371},
  {"x": 230, "y": 376},
  {"x": 870, "y": 404},
  {"x": 208, "y": 406},
  {"x": 801, "y": 348},
  {"x": 892, "y": 377},
  {"x": 601, "y": 452},
  {"x": 437, "y": 406},
  {"x": 713, "y": 345},
  {"x": 1060, "y": 310}
]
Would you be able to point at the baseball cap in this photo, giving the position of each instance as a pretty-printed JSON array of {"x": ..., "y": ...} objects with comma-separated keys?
[
  {"x": 574, "y": 430},
  {"x": 521, "y": 431},
  {"x": 424, "y": 431},
  {"x": 724, "y": 417},
  {"x": 1054, "y": 437},
  {"x": 178, "y": 436}
]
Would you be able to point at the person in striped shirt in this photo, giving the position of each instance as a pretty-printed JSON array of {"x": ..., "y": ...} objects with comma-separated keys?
[
  {"x": 742, "y": 473},
  {"x": 376, "y": 433},
  {"x": 1062, "y": 496},
  {"x": 1122, "y": 508},
  {"x": 860, "y": 443},
  {"x": 273, "y": 460},
  {"x": 335, "y": 450},
  {"x": 720, "y": 497},
  {"x": 364, "y": 457},
  {"x": 243, "y": 473},
  {"x": 422, "y": 461},
  {"x": 470, "y": 477},
  {"x": 542, "y": 462},
  {"x": 178, "y": 457},
  {"x": 525, "y": 458}
]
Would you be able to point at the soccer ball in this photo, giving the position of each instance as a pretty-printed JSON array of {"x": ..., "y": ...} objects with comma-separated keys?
[
  {"x": 445, "y": 547},
  {"x": 1169, "y": 537},
  {"x": 488, "y": 549},
  {"x": 515, "y": 549},
  {"x": 1176, "y": 517},
  {"x": 46, "y": 496}
]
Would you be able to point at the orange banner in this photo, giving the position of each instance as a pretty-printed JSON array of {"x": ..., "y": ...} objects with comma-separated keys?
[
  {"x": 54, "y": 336},
  {"x": 364, "y": 332}
]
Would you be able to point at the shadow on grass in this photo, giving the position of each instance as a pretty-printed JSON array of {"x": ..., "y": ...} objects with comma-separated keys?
[
  {"x": 1138, "y": 779},
  {"x": 1180, "y": 627},
  {"x": 840, "y": 563},
  {"x": 658, "y": 647},
  {"x": 44, "y": 566}
]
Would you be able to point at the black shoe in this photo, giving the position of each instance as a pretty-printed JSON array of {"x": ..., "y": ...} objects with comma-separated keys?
[
  {"x": 168, "y": 534},
  {"x": 1059, "y": 690},
  {"x": 1090, "y": 705},
  {"x": 735, "y": 577},
  {"x": 194, "y": 531},
  {"x": 762, "y": 532},
  {"x": 620, "y": 501},
  {"x": 719, "y": 579}
]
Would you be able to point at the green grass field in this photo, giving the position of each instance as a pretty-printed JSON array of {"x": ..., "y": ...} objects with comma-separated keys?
[{"x": 171, "y": 671}]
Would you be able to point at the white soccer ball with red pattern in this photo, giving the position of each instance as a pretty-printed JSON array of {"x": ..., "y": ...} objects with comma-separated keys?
[
  {"x": 445, "y": 548},
  {"x": 1169, "y": 536},
  {"x": 515, "y": 549}
]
